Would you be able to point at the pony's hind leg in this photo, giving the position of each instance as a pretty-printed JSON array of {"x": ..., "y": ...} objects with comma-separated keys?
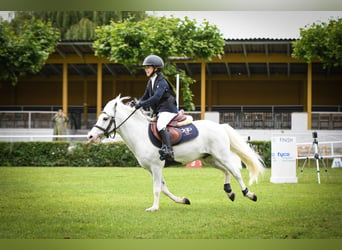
[
  {"x": 232, "y": 165},
  {"x": 237, "y": 175},
  {"x": 165, "y": 190}
]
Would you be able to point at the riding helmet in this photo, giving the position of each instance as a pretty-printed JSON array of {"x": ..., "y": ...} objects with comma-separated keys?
[{"x": 153, "y": 60}]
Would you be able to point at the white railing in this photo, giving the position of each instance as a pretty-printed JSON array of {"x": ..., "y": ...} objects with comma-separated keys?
[
  {"x": 50, "y": 137},
  {"x": 13, "y": 138},
  {"x": 26, "y": 119},
  {"x": 238, "y": 119},
  {"x": 327, "y": 149},
  {"x": 327, "y": 120}
]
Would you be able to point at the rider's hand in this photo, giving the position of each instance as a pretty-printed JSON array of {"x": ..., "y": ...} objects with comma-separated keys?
[
  {"x": 138, "y": 105},
  {"x": 133, "y": 102}
]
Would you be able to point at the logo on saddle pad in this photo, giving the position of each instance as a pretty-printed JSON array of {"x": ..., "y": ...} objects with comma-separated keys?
[
  {"x": 187, "y": 130},
  {"x": 179, "y": 133}
]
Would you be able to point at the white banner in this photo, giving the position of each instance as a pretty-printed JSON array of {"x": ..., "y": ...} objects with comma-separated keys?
[{"x": 284, "y": 154}]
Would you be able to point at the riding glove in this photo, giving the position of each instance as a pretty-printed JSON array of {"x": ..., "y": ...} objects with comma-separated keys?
[{"x": 138, "y": 105}]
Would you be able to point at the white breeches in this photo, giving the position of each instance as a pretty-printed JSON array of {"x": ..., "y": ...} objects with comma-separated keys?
[{"x": 163, "y": 119}]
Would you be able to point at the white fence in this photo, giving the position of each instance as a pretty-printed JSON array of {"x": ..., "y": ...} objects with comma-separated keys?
[
  {"x": 13, "y": 138},
  {"x": 14, "y": 135},
  {"x": 26, "y": 119},
  {"x": 327, "y": 149},
  {"x": 238, "y": 118}
]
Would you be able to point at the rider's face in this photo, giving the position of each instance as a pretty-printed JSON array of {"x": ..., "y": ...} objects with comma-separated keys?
[{"x": 149, "y": 70}]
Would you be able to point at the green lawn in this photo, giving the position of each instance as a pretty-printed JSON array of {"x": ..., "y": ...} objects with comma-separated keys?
[{"x": 109, "y": 203}]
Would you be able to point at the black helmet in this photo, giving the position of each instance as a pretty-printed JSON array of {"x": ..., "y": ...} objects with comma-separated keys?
[{"x": 153, "y": 60}]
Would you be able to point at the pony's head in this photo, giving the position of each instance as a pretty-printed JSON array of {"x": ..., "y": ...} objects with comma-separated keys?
[{"x": 107, "y": 120}]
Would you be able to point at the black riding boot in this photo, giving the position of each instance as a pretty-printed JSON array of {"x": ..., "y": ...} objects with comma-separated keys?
[{"x": 166, "y": 152}]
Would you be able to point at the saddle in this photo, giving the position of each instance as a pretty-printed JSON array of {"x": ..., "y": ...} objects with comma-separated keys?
[{"x": 180, "y": 129}]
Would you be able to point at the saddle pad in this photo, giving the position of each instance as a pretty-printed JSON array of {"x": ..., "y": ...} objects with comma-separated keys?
[{"x": 188, "y": 132}]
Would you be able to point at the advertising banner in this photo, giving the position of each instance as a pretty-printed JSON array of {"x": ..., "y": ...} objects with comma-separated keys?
[{"x": 283, "y": 165}]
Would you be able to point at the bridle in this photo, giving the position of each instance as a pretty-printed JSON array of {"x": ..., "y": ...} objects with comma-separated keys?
[{"x": 108, "y": 132}]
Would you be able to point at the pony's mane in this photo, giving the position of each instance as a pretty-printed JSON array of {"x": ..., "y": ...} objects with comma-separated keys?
[{"x": 120, "y": 101}]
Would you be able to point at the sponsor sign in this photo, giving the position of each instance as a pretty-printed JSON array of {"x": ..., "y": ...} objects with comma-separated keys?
[{"x": 283, "y": 164}]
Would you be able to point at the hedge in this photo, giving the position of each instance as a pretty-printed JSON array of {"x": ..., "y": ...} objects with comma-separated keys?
[
  {"x": 52, "y": 154},
  {"x": 264, "y": 150},
  {"x": 80, "y": 154}
]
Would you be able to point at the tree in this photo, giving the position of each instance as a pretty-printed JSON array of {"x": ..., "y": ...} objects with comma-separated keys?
[
  {"x": 25, "y": 50},
  {"x": 321, "y": 41},
  {"x": 129, "y": 42},
  {"x": 76, "y": 24},
  {"x": 84, "y": 30}
]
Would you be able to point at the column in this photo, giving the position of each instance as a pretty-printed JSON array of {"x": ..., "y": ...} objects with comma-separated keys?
[
  {"x": 65, "y": 89},
  {"x": 99, "y": 89}
]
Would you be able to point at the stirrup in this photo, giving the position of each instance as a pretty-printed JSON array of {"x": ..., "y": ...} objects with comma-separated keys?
[
  {"x": 168, "y": 157},
  {"x": 166, "y": 153}
]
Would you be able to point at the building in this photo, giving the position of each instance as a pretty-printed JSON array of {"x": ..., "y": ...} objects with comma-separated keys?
[{"x": 256, "y": 84}]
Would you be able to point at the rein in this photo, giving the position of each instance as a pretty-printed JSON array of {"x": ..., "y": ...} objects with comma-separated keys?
[{"x": 106, "y": 131}]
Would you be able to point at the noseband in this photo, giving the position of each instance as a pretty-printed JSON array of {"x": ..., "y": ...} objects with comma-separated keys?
[{"x": 107, "y": 131}]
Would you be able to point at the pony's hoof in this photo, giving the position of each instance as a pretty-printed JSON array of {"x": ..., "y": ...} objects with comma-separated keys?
[
  {"x": 231, "y": 196},
  {"x": 252, "y": 196},
  {"x": 186, "y": 201},
  {"x": 151, "y": 209}
]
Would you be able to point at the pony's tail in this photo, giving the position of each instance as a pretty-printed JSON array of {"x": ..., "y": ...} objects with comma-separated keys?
[{"x": 249, "y": 157}]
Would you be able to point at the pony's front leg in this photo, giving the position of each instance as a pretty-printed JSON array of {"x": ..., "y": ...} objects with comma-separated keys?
[
  {"x": 157, "y": 184},
  {"x": 176, "y": 199}
]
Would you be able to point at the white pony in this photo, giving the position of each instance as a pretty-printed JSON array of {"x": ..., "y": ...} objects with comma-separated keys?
[{"x": 220, "y": 142}]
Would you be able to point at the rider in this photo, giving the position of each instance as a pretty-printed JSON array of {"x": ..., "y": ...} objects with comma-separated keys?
[{"x": 160, "y": 97}]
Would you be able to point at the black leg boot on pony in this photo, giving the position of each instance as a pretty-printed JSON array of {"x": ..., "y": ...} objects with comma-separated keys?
[{"x": 166, "y": 152}]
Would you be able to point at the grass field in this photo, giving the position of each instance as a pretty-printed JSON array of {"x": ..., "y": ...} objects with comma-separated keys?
[{"x": 109, "y": 203}]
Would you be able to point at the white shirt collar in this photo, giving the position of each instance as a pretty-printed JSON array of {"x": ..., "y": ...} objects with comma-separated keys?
[{"x": 153, "y": 79}]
